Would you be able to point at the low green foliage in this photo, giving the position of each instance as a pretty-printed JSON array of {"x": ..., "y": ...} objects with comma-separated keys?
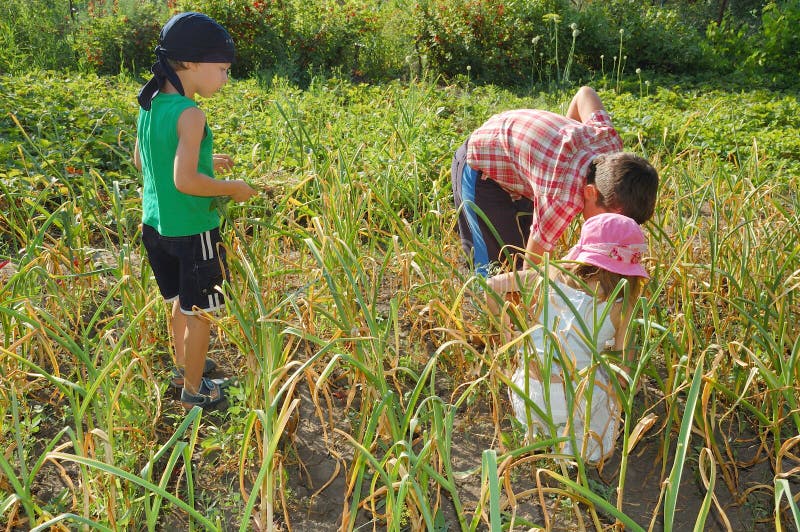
[
  {"x": 738, "y": 129},
  {"x": 348, "y": 289}
]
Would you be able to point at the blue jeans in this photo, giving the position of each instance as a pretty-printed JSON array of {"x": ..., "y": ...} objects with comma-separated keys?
[{"x": 491, "y": 224}]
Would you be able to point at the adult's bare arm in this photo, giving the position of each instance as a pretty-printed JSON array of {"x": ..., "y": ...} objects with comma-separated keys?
[
  {"x": 585, "y": 102},
  {"x": 533, "y": 252}
]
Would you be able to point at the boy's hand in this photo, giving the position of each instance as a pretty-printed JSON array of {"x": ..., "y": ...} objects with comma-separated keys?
[
  {"x": 241, "y": 191},
  {"x": 222, "y": 163}
]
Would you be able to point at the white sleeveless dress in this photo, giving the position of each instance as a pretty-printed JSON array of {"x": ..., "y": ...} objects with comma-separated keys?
[{"x": 574, "y": 332}]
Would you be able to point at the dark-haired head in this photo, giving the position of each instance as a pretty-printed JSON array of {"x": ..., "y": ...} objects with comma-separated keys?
[{"x": 625, "y": 183}]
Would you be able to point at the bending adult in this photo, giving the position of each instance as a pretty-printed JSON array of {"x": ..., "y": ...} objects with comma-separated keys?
[{"x": 521, "y": 178}]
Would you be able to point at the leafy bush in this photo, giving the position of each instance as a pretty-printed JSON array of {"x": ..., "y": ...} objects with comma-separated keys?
[
  {"x": 499, "y": 40},
  {"x": 35, "y": 33},
  {"x": 744, "y": 13},
  {"x": 770, "y": 54},
  {"x": 598, "y": 37},
  {"x": 112, "y": 41},
  {"x": 507, "y": 42},
  {"x": 387, "y": 52},
  {"x": 295, "y": 37},
  {"x": 330, "y": 34},
  {"x": 726, "y": 44},
  {"x": 780, "y": 50},
  {"x": 655, "y": 37}
]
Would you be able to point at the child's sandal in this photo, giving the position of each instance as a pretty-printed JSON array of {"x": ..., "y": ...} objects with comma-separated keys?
[
  {"x": 208, "y": 396},
  {"x": 177, "y": 374}
]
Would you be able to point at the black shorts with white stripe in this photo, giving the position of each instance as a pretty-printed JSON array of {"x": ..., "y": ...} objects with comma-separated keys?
[{"x": 191, "y": 268}]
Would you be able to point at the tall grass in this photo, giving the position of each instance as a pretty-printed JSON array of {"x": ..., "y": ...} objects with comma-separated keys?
[{"x": 347, "y": 281}]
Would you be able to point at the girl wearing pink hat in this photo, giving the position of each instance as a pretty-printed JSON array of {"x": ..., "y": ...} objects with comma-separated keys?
[{"x": 577, "y": 322}]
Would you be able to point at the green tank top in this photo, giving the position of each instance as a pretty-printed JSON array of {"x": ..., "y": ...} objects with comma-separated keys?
[{"x": 169, "y": 211}]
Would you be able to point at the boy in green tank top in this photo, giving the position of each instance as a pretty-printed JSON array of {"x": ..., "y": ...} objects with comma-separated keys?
[{"x": 180, "y": 229}]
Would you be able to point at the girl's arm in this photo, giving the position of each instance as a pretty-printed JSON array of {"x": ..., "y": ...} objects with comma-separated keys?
[
  {"x": 498, "y": 288},
  {"x": 191, "y": 127},
  {"x": 505, "y": 283}
]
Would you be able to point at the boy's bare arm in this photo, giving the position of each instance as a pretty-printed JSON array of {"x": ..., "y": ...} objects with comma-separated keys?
[{"x": 191, "y": 127}]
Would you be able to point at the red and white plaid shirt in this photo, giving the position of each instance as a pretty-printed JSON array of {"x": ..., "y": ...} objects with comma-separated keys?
[{"x": 544, "y": 157}]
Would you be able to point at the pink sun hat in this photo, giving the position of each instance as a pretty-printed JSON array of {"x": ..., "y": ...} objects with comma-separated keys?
[{"x": 613, "y": 242}]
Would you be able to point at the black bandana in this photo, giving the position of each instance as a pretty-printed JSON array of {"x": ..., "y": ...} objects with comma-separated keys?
[{"x": 190, "y": 37}]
